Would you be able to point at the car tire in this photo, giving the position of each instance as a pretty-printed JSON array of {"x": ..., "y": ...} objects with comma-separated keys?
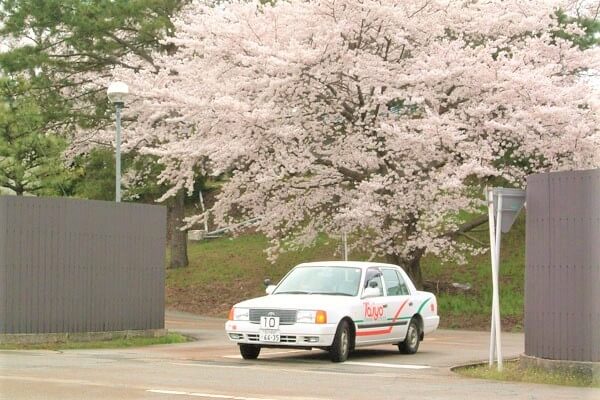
[
  {"x": 410, "y": 345},
  {"x": 249, "y": 351},
  {"x": 340, "y": 349}
]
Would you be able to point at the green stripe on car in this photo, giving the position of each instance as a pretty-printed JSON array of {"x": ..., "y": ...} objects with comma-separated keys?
[{"x": 423, "y": 305}]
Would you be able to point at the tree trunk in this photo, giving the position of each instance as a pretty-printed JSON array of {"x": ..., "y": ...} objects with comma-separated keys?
[
  {"x": 177, "y": 238},
  {"x": 411, "y": 265}
]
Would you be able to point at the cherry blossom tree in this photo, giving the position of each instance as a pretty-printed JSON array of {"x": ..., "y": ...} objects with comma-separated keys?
[{"x": 381, "y": 119}]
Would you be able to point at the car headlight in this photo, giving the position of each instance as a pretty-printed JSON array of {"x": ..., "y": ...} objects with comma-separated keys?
[
  {"x": 239, "y": 314},
  {"x": 304, "y": 316},
  {"x": 311, "y": 316}
]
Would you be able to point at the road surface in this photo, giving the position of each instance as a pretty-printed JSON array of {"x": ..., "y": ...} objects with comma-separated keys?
[{"x": 210, "y": 368}]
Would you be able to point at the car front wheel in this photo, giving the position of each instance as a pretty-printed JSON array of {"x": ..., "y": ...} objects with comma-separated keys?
[
  {"x": 249, "y": 351},
  {"x": 341, "y": 343},
  {"x": 411, "y": 342}
]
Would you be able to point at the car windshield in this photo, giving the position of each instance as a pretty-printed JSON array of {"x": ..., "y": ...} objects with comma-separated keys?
[{"x": 336, "y": 281}]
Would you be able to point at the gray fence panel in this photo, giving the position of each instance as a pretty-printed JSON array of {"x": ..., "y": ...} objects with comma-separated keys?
[
  {"x": 562, "y": 277},
  {"x": 3, "y": 276},
  {"x": 70, "y": 265}
]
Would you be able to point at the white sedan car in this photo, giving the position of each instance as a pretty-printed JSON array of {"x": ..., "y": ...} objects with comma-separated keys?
[{"x": 336, "y": 306}]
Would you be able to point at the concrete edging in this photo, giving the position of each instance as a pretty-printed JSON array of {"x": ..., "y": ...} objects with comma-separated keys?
[
  {"x": 38, "y": 338},
  {"x": 588, "y": 368},
  {"x": 478, "y": 363}
]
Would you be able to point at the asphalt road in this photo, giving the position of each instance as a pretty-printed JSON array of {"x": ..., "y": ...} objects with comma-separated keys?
[{"x": 210, "y": 368}]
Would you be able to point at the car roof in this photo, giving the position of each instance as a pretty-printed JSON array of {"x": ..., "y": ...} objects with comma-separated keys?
[{"x": 346, "y": 264}]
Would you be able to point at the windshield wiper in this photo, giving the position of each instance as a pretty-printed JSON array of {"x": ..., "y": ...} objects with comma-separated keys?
[
  {"x": 293, "y": 292},
  {"x": 334, "y": 293}
]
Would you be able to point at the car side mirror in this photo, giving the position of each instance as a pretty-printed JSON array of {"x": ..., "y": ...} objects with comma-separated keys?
[
  {"x": 371, "y": 292},
  {"x": 267, "y": 282},
  {"x": 373, "y": 284},
  {"x": 270, "y": 289}
]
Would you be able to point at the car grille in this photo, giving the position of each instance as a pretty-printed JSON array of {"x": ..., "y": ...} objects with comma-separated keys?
[
  {"x": 253, "y": 337},
  {"x": 286, "y": 317}
]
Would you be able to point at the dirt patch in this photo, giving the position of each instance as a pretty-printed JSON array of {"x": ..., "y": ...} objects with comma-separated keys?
[
  {"x": 438, "y": 286},
  {"x": 480, "y": 322},
  {"x": 215, "y": 302}
]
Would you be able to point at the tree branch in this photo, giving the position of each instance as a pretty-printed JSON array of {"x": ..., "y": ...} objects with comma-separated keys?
[
  {"x": 347, "y": 172},
  {"x": 466, "y": 227}
]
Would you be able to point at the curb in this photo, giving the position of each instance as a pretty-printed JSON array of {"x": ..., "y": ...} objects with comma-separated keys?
[
  {"x": 479, "y": 363},
  {"x": 39, "y": 338},
  {"x": 588, "y": 368}
]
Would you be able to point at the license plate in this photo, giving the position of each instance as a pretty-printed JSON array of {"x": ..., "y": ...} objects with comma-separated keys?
[
  {"x": 272, "y": 337},
  {"x": 269, "y": 323}
]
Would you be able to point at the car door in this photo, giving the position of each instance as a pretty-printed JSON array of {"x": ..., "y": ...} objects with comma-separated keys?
[
  {"x": 373, "y": 325},
  {"x": 398, "y": 301}
]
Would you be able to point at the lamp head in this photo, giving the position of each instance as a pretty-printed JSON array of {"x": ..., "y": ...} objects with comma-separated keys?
[{"x": 117, "y": 92}]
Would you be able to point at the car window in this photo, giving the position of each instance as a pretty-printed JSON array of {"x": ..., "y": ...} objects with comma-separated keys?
[
  {"x": 321, "y": 280},
  {"x": 403, "y": 289},
  {"x": 392, "y": 282},
  {"x": 349, "y": 281},
  {"x": 374, "y": 275}
]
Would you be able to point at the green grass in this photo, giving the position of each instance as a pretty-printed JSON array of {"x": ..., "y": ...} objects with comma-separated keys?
[
  {"x": 170, "y": 338},
  {"x": 513, "y": 371}
]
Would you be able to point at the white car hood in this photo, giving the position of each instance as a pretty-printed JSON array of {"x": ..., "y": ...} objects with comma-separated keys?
[{"x": 297, "y": 301}]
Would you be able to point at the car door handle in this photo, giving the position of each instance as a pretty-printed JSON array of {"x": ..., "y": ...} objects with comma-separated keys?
[
  {"x": 410, "y": 304},
  {"x": 385, "y": 306}
]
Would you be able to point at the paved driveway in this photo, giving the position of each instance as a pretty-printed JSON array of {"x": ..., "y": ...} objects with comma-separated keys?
[{"x": 211, "y": 368}]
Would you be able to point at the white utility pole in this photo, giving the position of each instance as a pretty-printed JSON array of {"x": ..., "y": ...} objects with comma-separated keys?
[
  {"x": 345, "y": 241},
  {"x": 507, "y": 203},
  {"x": 203, "y": 211}
]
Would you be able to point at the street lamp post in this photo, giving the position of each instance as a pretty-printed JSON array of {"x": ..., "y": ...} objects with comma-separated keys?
[{"x": 117, "y": 93}]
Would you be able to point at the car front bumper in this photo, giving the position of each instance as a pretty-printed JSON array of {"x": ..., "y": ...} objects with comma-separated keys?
[{"x": 295, "y": 335}]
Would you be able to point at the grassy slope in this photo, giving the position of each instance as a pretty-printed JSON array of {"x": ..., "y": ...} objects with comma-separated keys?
[{"x": 227, "y": 270}]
